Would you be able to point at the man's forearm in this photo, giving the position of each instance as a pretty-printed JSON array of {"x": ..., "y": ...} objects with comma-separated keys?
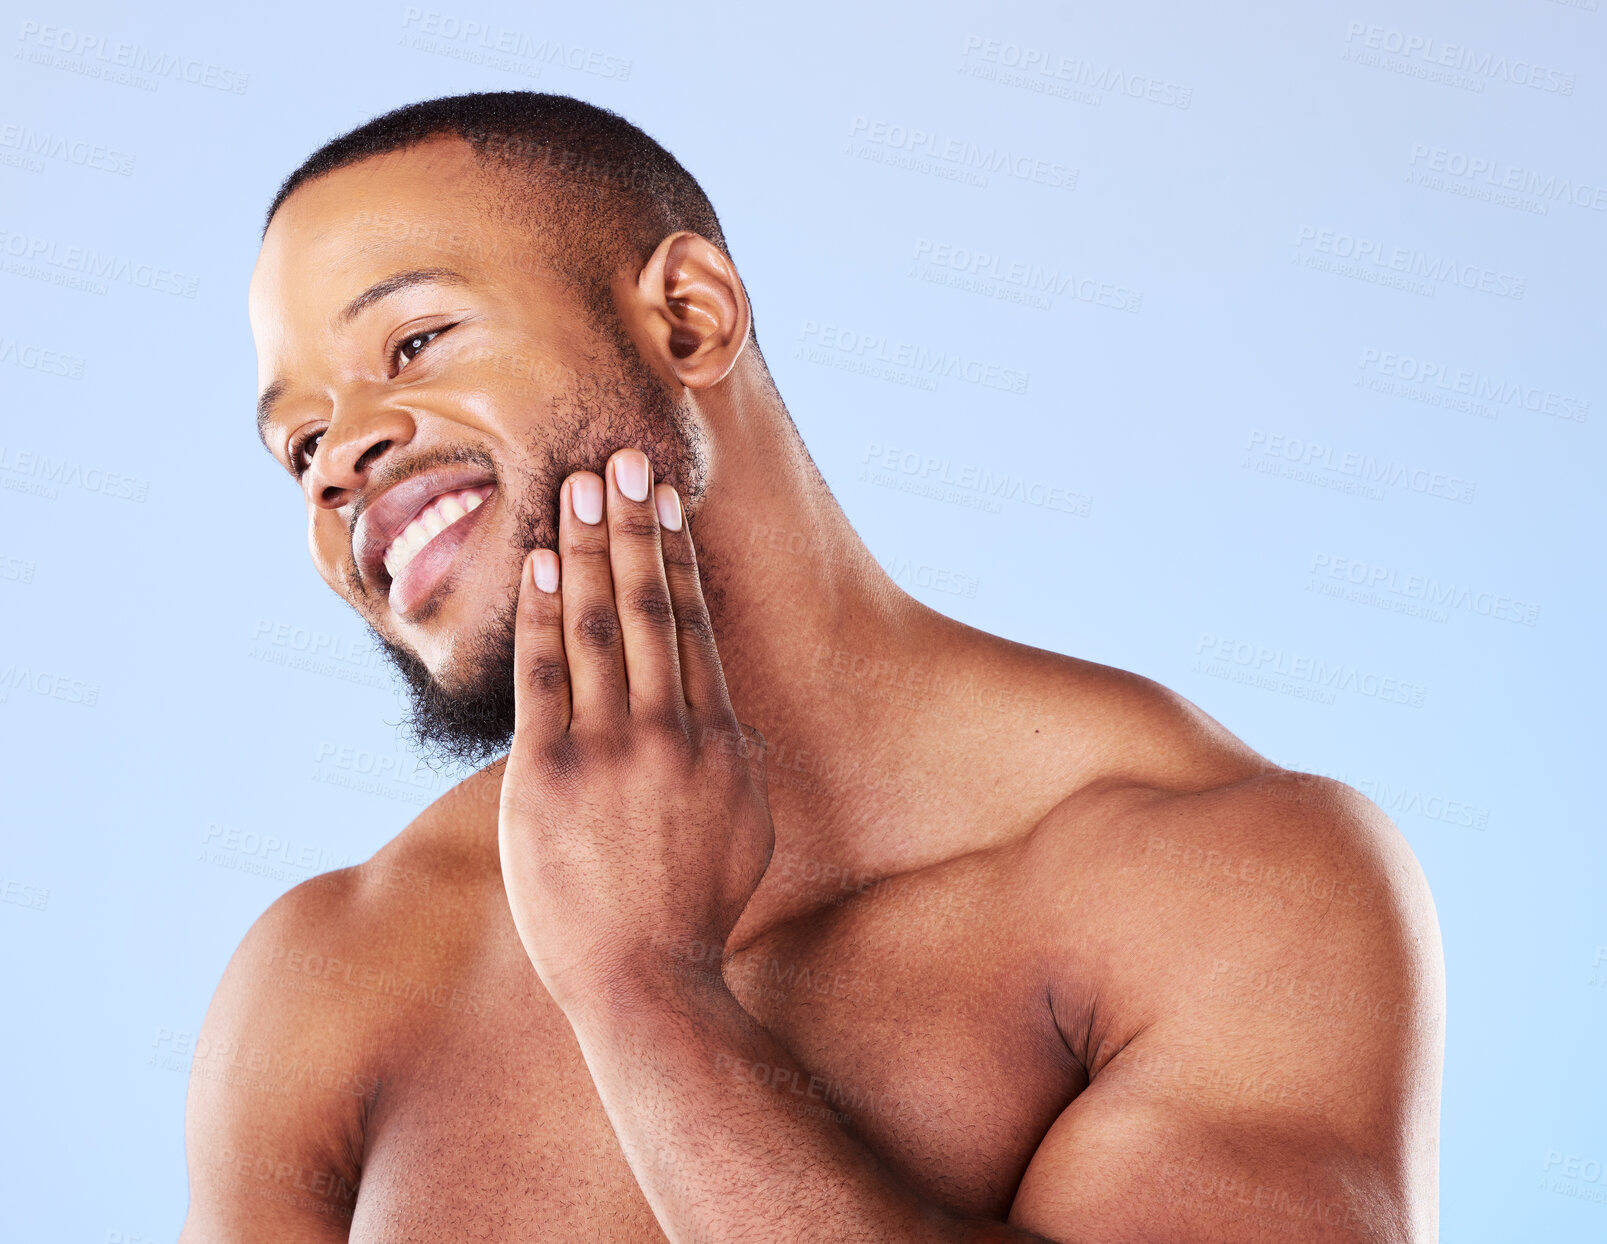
[{"x": 731, "y": 1140}]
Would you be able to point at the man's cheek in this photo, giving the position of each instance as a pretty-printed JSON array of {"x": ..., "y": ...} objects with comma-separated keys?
[{"x": 330, "y": 545}]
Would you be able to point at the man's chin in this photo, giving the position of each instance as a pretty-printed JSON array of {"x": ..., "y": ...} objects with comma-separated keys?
[{"x": 467, "y": 718}]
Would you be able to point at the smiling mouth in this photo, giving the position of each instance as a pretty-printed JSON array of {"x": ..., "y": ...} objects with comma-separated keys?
[{"x": 436, "y": 517}]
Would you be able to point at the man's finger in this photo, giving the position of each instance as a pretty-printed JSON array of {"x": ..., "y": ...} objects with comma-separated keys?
[
  {"x": 702, "y": 679},
  {"x": 591, "y": 623},
  {"x": 541, "y": 670},
  {"x": 641, "y": 594}
]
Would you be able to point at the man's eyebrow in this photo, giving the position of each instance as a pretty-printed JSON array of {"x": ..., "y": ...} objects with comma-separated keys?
[
  {"x": 398, "y": 281},
  {"x": 380, "y": 289},
  {"x": 265, "y": 404}
]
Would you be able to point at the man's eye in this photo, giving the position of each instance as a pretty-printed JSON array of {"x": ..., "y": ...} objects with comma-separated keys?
[
  {"x": 408, "y": 348},
  {"x": 302, "y": 451}
]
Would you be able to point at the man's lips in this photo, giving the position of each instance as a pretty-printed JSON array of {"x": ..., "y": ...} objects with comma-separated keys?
[
  {"x": 389, "y": 514},
  {"x": 447, "y": 510},
  {"x": 421, "y": 560}
]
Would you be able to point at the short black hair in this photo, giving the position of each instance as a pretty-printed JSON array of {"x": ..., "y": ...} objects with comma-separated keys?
[{"x": 601, "y": 189}]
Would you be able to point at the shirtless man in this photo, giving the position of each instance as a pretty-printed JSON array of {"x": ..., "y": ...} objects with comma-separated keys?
[{"x": 950, "y": 939}]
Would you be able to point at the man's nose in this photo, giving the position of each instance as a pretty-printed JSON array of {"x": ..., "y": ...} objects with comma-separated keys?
[{"x": 353, "y": 444}]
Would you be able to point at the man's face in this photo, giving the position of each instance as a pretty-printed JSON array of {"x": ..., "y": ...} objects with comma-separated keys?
[{"x": 431, "y": 382}]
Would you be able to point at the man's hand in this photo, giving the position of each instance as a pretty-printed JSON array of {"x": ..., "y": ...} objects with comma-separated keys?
[{"x": 634, "y": 818}]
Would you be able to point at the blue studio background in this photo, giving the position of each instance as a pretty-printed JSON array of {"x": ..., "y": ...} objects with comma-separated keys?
[{"x": 1283, "y": 323}]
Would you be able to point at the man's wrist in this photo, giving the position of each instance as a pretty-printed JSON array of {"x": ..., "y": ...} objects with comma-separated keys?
[{"x": 647, "y": 988}]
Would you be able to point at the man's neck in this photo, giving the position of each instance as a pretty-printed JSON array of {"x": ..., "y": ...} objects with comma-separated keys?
[{"x": 814, "y": 638}]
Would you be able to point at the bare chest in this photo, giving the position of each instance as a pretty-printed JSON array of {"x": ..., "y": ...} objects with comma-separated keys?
[{"x": 911, "y": 1020}]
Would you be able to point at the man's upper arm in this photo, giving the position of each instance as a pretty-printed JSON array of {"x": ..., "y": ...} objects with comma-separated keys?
[
  {"x": 278, "y": 1090},
  {"x": 1265, "y": 1039}
]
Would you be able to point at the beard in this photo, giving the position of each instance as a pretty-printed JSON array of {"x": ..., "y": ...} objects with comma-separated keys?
[{"x": 466, "y": 716}]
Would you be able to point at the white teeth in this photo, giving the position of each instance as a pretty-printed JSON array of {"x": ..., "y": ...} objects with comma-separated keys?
[{"x": 431, "y": 522}]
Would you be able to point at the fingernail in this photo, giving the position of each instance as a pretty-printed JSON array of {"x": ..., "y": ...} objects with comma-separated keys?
[
  {"x": 586, "y": 498},
  {"x": 630, "y": 473},
  {"x": 668, "y": 503},
  {"x": 544, "y": 569}
]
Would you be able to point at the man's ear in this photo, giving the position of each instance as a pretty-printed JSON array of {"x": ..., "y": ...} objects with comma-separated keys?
[{"x": 690, "y": 310}]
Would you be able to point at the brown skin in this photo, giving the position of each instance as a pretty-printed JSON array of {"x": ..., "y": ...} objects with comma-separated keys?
[{"x": 1042, "y": 952}]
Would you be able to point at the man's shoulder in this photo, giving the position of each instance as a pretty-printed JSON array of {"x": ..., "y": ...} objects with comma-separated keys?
[
  {"x": 1272, "y": 838},
  {"x": 447, "y": 855},
  {"x": 407, "y": 910},
  {"x": 1187, "y": 843},
  {"x": 1089, "y": 722},
  {"x": 1140, "y": 746},
  {"x": 1280, "y": 899},
  {"x": 1171, "y": 802},
  {"x": 322, "y": 1000}
]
